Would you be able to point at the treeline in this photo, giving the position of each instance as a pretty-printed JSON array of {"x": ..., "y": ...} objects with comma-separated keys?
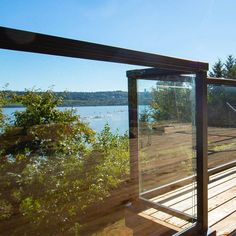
[
  {"x": 224, "y": 69},
  {"x": 222, "y": 99},
  {"x": 106, "y": 98}
]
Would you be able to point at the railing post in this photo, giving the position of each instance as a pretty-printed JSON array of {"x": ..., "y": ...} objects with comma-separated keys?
[
  {"x": 133, "y": 135},
  {"x": 201, "y": 151}
]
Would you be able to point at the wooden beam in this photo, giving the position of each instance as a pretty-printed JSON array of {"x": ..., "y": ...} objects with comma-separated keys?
[
  {"x": 221, "y": 168},
  {"x": 168, "y": 187},
  {"x": 221, "y": 81},
  {"x": 168, "y": 210},
  {"x": 20, "y": 40}
]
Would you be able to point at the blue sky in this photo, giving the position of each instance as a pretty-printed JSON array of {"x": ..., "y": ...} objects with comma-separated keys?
[{"x": 202, "y": 30}]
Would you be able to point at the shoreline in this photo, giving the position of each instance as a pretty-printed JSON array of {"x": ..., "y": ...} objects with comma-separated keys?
[
  {"x": 77, "y": 105},
  {"x": 68, "y": 105}
]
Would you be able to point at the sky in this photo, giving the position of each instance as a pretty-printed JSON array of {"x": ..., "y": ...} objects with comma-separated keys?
[{"x": 202, "y": 30}]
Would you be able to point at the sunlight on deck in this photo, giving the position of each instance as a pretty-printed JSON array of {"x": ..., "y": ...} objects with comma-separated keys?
[{"x": 221, "y": 204}]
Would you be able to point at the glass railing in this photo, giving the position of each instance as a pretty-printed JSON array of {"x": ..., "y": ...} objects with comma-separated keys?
[
  {"x": 221, "y": 125},
  {"x": 166, "y": 145},
  {"x": 64, "y": 152},
  {"x": 104, "y": 163}
]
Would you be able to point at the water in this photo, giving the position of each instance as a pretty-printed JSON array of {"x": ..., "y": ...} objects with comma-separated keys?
[{"x": 95, "y": 116}]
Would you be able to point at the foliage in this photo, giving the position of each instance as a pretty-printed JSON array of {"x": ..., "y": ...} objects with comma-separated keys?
[
  {"x": 3, "y": 117},
  {"x": 229, "y": 64},
  {"x": 1, "y": 111},
  {"x": 171, "y": 103},
  {"x": 225, "y": 69},
  {"x": 56, "y": 167},
  {"x": 221, "y": 99},
  {"x": 144, "y": 116},
  {"x": 105, "y": 98},
  {"x": 113, "y": 151},
  {"x": 218, "y": 70},
  {"x": 232, "y": 72},
  {"x": 40, "y": 109}
]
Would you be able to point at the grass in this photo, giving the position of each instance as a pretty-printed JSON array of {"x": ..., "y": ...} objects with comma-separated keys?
[{"x": 223, "y": 147}]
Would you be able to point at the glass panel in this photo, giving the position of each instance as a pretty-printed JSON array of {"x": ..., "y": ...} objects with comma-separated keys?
[
  {"x": 167, "y": 158},
  {"x": 221, "y": 151},
  {"x": 64, "y": 156},
  {"x": 221, "y": 125}
]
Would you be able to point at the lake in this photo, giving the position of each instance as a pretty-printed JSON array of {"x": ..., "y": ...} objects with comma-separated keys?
[{"x": 96, "y": 116}]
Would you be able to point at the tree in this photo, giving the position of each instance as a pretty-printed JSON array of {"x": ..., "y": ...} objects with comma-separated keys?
[
  {"x": 229, "y": 64},
  {"x": 232, "y": 72},
  {"x": 224, "y": 70},
  {"x": 171, "y": 103},
  {"x": 40, "y": 109},
  {"x": 53, "y": 167},
  {"x": 3, "y": 117},
  {"x": 219, "y": 113},
  {"x": 218, "y": 69},
  {"x": 1, "y": 111}
]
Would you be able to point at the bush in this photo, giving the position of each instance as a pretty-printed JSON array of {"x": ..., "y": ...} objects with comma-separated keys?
[{"x": 56, "y": 167}]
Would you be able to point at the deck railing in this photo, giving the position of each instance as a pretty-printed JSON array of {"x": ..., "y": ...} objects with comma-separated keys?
[{"x": 171, "y": 69}]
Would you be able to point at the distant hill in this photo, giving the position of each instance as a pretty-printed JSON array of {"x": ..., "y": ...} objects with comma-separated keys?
[{"x": 104, "y": 98}]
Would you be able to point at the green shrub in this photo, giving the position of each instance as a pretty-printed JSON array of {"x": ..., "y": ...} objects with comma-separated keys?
[{"x": 57, "y": 166}]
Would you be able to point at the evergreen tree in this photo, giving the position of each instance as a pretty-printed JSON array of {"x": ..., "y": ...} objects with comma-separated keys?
[
  {"x": 232, "y": 73},
  {"x": 230, "y": 67},
  {"x": 217, "y": 69}
]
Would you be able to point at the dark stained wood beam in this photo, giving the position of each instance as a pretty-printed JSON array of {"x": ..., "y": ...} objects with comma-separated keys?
[
  {"x": 20, "y": 40},
  {"x": 221, "y": 81}
]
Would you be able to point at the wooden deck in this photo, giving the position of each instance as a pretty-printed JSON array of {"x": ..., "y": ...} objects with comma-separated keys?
[{"x": 222, "y": 205}]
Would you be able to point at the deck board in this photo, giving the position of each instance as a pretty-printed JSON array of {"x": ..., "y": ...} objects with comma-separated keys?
[
  {"x": 226, "y": 226},
  {"x": 165, "y": 198},
  {"x": 222, "y": 203},
  {"x": 221, "y": 212}
]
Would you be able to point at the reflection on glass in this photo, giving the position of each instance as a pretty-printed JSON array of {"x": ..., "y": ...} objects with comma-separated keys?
[
  {"x": 62, "y": 169},
  {"x": 167, "y": 162},
  {"x": 56, "y": 170},
  {"x": 221, "y": 125}
]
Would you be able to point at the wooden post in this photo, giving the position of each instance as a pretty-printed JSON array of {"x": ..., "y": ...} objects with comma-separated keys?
[
  {"x": 201, "y": 150},
  {"x": 133, "y": 135}
]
